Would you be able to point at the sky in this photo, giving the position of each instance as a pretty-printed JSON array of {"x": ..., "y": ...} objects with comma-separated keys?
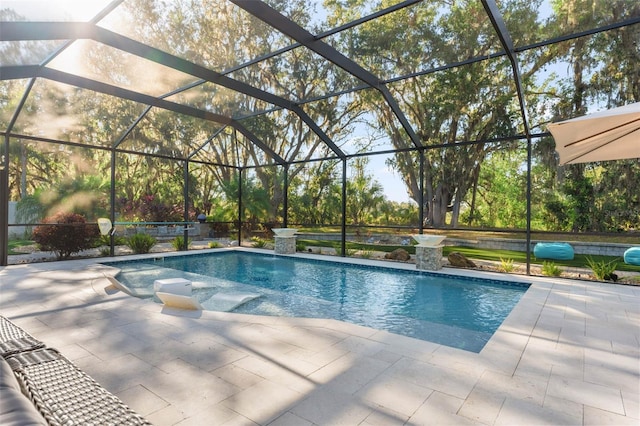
[{"x": 394, "y": 188}]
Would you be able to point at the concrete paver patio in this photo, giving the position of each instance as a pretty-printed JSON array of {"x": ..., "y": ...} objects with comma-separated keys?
[{"x": 567, "y": 354}]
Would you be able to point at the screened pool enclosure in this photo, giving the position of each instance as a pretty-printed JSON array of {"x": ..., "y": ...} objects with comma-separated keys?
[{"x": 357, "y": 117}]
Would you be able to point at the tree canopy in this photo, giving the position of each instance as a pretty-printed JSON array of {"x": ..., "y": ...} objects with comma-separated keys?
[{"x": 427, "y": 83}]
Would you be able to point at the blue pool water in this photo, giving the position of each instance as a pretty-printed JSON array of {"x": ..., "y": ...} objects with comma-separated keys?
[{"x": 461, "y": 312}]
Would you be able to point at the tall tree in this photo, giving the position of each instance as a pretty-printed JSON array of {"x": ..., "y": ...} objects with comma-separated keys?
[
  {"x": 605, "y": 72},
  {"x": 469, "y": 103},
  {"x": 364, "y": 194},
  {"x": 221, "y": 36},
  {"x": 315, "y": 197}
]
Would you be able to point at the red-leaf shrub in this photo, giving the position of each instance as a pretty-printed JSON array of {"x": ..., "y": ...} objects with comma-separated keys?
[
  {"x": 148, "y": 208},
  {"x": 68, "y": 233}
]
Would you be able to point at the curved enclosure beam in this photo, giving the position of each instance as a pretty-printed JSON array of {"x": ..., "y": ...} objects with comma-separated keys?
[
  {"x": 16, "y": 31},
  {"x": 99, "y": 87},
  {"x": 286, "y": 26},
  {"x": 507, "y": 44}
]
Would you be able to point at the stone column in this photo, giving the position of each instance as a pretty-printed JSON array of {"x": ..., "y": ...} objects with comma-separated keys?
[
  {"x": 201, "y": 230},
  {"x": 429, "y": 258},
  {"x": 285, "y": 245}
]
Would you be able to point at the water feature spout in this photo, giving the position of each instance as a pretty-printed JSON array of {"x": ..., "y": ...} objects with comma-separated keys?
[{"x": 428, "y": 240}]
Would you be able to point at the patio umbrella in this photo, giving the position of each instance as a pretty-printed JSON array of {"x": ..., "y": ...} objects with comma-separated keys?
[{"x": 606, "y": 135}]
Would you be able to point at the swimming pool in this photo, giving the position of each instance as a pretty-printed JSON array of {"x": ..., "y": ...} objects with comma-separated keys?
[{"x": 461, "y": 312}]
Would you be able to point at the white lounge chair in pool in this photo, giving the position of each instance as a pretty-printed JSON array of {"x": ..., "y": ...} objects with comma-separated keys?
[
  {"x": 179, "y": 301},
  {"x": 227, "y": 302},
  {"x": 221, "y": 302},
  {"x": 118, "y": 285},
  {"x": 135, "y": 292}
]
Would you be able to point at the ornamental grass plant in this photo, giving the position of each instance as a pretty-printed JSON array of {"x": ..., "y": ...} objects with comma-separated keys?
[{"x": 141, "y": 243}]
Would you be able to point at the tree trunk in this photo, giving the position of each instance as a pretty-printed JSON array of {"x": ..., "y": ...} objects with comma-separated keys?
[
  {"x": 439, "y": 206},
  {"x": 455, "y": 212},
  {"x": 474, "y": 193}
]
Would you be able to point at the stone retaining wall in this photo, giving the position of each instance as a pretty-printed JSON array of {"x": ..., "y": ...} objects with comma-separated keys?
[
  {"x": 589, "y": 248},
  {"x": 604, "y": 249}
]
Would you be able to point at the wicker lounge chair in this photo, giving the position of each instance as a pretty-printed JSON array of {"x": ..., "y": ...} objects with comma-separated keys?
[
  {"x": 14, "y": 339},
  {"x": 64, "y": 394},
  {"x": 60, "y": 392}
]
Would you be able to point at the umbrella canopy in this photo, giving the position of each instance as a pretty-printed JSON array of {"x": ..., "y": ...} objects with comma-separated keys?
[{"x": 606, "y": 135}]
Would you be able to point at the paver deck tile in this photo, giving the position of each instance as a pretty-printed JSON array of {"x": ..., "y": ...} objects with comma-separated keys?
[
  {"x": 597, "y": 417},
  {"x": 517, "y": 411},
  {"x": 631, "y": 401},
  {"x": 253, "y": 403},
  {"x": 395, "y": 394},
  {"x": 385, "y": 417},
  {"x": 482, "y": 406},
  {"x": 333, "y": 408},
  {"x": 568, "y": 354},
  {"x": 598, "y": 396}
]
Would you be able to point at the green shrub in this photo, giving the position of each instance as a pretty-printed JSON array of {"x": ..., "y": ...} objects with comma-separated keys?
[
  {"x": 258, "y": 242},
  {"x": 105, "y": 240},
  {"x": 337, "y": 246},
  {"x": 65, "y": 234},
  {"x": 366, "y": 254},
  {"x": 214, "y": 244},
  {"x": 301, "y": 247},
  {"x": 178, "y": 243},
  {"x": 602, "y": 269},
  {"x": 634, "y": 280},
  {"x": 141, "y": 243},
  {"x": 506, "y": 265},
  {"x": 550, "y": 269}
]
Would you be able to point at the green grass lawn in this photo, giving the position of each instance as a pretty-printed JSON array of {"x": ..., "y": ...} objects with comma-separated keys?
[
  {"x": 629, "y": 237},
  {"x": 14, "y": 244},
  {"x": 579, "y": 261}
]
